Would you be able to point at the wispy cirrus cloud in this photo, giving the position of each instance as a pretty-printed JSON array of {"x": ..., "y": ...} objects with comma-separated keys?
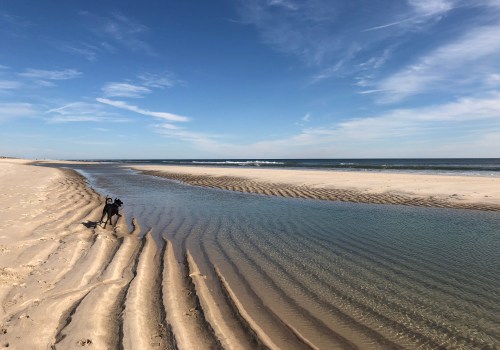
[
  {"x": 17, "y": 110},
  {"x": 418, "y": 14},
  {"x": 15, "y": 25},
  {"x": 152, "y": 80},
  {"x": 48, "y": 78},
  {"x": 304, "y": 120},
  {"x": 111, "y": 32},
  {"x": 9, "y": 85},
  {"x": 42, "y": 74},
  {"x": 141, "y": 86},
  {"x": 81, "y": 112},
  {"x": 124, "y": 90},
  {"x": 135, "y": 109},
  {"x": 406, "y": 122},
  {"x": 299, "y": 28},
  {"x": 329, "y": 37},
  {"x": 432, "y": 7},
  {"x": 466, "y": 61},
  {"x": 118, "y": 29},
  {"x": 88, "y": 51},
  {"x": 202, "y": 141},
  {"x": 413, "y": 130}
]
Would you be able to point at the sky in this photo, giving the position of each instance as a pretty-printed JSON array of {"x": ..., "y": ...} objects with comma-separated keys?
[{"x": 249, "y": 79}]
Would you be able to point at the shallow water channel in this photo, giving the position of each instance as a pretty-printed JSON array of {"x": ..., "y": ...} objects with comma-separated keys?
[{"x": 359, "y": 275}]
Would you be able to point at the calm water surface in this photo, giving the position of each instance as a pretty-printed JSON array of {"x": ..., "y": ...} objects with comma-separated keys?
[{"x": 384, "y": 276}]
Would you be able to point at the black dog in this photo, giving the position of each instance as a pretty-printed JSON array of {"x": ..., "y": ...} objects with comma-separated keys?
[{"x": 111, "y": 209}]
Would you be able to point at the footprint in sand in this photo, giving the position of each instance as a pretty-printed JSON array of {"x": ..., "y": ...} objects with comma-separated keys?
[{"x": 84, "y": 342}]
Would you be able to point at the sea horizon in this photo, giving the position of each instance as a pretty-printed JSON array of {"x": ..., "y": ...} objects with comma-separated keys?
[{"x": 444, "y": 166}]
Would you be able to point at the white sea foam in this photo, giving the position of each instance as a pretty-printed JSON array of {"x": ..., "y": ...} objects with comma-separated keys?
[{"x": 241, "y": 163}]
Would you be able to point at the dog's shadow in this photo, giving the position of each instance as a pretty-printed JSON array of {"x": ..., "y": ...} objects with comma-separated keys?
[{"x": 90, "y": 224}]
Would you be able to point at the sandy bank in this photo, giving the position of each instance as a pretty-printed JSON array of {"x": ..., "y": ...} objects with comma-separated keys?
[
  {"x": 468, "y": 192},
  {"x": 63, "y": 279},
  {"x": 65, "y": 282}
]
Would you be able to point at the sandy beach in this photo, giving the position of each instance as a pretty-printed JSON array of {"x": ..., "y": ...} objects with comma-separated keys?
[
  {"x": 466, "y": 192},
  {"x": 66, "y": 282}
]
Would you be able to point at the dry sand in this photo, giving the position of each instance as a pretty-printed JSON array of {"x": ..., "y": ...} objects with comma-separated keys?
[
  {"x": 58, "y": 271},
  {"x": 67, "y": 283},
  {"x": 467, "y": 192}
]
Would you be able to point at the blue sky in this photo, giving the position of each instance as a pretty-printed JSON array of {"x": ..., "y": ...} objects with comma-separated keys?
[{"x": 249, "y": 79}]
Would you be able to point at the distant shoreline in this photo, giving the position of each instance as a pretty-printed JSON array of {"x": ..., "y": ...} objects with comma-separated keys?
[{"x": 484, "y": 167}]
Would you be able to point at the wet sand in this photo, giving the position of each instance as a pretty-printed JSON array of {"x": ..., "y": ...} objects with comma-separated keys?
[
  {"x": 66, "y": 282},
  {"x": 441, "y": 191}
]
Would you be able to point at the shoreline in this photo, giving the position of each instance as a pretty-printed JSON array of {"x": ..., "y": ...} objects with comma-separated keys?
[
  {"x": 439, "y": 191},
  {"x": 66, "y": 282}
]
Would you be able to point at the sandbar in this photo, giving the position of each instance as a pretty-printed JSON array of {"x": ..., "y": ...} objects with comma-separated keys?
[{"x": 448, "y": 191}]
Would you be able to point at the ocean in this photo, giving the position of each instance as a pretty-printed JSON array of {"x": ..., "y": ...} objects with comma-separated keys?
[
  {"x": 342, "y": 275},
  {"x": 448, "y": 166}
]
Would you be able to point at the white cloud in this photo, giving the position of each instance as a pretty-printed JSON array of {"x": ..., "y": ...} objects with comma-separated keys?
[
  {"x": 449, "y": 63},
  {"x": 124, "y": 90},
  {"x": 76, "y": 108},
  {"x": 284, "y": 3},
  {"x": 407, "y": 122},
  {"x": 366, "y": 92},
  {"x": 493, "y": 79},
  {"x": 167, "y": 126},
  {"x": 41, "y": 74},
  {"x": 81, "y": 112},
  {"x": 145, "y": 82},
  {"x": 421, "y": 12},
  {"x": 416, "y": 19},
  {"x": 334, "y": 70},
  {"x": 74, "y": 118},
  {"x": 45, "y": 83},
  {"x": 307, "y": 117},
  {"x": 9, "y": 84},
  {"x": 303, "y": 29},
  {"x": 120, "y": 30},
  {"x": 16, "y": 110},
  {"x": 315, "y": 32},
  {"x": 88, "y": 51},
  {"x": 431, "y": 7},
  {"x": 465, "y": 124},
  {"x": 161, "y": 115},
  {"x": 157, "y": 80}
]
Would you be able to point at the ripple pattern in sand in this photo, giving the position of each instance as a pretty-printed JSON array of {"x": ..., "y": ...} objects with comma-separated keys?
[
  {"x": 286, "y": 190},
  {"x": 297, "y": 274}
]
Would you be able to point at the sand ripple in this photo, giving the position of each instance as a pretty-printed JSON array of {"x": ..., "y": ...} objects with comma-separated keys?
[
  {"x": 287, "y": 190},
  {"x": 215, "y": 284}
]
